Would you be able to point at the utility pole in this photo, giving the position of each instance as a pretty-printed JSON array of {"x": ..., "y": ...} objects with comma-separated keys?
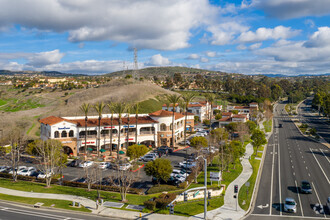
[{"x": 136, "y": 67}]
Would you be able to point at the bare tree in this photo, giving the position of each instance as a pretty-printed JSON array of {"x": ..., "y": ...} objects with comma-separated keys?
[
  {"x": 91, "y": 175},
  {"x": 16, "y": 141},
  {"x": 123, "y": 179},
  {"x": 51, "y": 158}
]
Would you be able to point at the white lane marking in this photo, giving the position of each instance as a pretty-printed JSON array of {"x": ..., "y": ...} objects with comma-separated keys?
[
  {"x": 304, "y": 161},
  {"x": 302, "y": 156},
  {"x": 306, "y": 168},
  {"x": 292, "y": 167},
  {"x": 291, "y": 161},
  {"x": 302, "y": 213},
  {"x": 309, "y": 174},
  {"x": 271, "y": 184},
  {"x": 325, "y": 155},
  {"x": 320, "y": 166},
  {"x": 294, "y": 173},
  {"x": 279, "y": 176},
  {"x": 318, "y": 198},
  {"x": 39, "y": 214}
]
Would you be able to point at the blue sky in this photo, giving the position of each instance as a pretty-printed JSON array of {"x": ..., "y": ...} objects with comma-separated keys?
[{"x": 97, "y": 36}]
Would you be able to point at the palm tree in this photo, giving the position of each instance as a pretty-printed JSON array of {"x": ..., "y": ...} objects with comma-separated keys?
[
  {"x": 187, "y": 98},
  {"x": 173, "y": 99},
  {"x": 128, "y": 109},
  {"x": 119, "y": 108},
  {"x": 210, "y": 98},
  {"x": 136, "y": 109},
  {"x": 99, "y": 109},
  {"x": 85, "y": 109},
  {"x": 110, "y": 106}
]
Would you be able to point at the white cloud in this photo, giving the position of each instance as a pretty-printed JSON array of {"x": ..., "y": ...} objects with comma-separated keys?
[
  {"x": 285, "y": 9},
  {"x": 310, "y": 23},
  {"x": 158, "y": 60},
  {"x": 255, "y": 46},
  {"x": 263, "y": 34},
  {"x": 224, "y": 33},
  {"x": 45, "y": 58},
  {"x": 163, "y": 25},
  {"x": 193, "y": 56},
  {"x": 204, "y": 60},
  {"x": 320, "y": 38},
  {"x": 241, "y": 47},
  {"x": 211, "y": 53}
]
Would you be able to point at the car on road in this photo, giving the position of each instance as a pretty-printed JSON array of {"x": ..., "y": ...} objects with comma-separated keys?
[
  {"x": 290, "y": 205},
  {"x": 280, "y": 125},
  {"x": 86, "y": 164},
  {"x": 328, "y": 203},
  {"x": 104, "y": 165},
  {"x": 305, "y": 187},
  {"x": 43, "y": 175},
  {"x": 148, "y": 157}
]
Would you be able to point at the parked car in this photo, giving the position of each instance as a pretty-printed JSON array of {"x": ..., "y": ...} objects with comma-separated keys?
[
  {"x": 188, "y": 165},
  {"x": 28, "y": 172},
  {"x": 155, "y": 154},
  {"x": 148, "y": 157},
  {"x": 74, "y": 163},
  {"x": 4, "y": 169},
  {"x": 43, "y": 175},
  {"x": 86, "y": 164},
  {"x": 164, "y": 150},
  {"x": 81, "y": 180},
  {"x": 105, "y": 165},
  {"x": 124, "y": 166},
  {"x": 305, "y": 187},
  {"x": 20, "y": 168},
  {"x": 290, "y": 205},
  {"x": 328, "y": 203},
  {"x": 183, "y": 143},
  {"x": 280, "y": 125}
]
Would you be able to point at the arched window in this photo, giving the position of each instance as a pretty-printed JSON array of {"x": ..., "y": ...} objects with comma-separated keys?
[
  {"x": 56, "y": 134},
  {"x": 64, "y": 134},
  {"x": 163, "y": 127},
  {"x": 71, "y": 133}
]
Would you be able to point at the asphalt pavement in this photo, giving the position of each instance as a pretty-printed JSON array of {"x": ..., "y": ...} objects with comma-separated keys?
[
  {"x": 10, "y": 211},
  {"x": 291, "y": 158}
]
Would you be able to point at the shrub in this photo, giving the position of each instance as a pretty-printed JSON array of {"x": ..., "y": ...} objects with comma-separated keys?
[
  {"x": 145, "y": 210},
  {"x": 218, "y": 116},
  {"x": 196, "y": 119},
  {"x": 164, "y": 199},
  {"x": 161, "y": 188},
  {"x": 163, "y": 211},
  {"x": 206, "y": 122},
  {"x": 150, "y": 205},
  {"x": 136, "y": 151}
]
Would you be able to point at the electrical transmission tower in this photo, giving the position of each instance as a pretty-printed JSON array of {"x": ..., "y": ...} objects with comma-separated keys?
[{"x": 136, "y": 67}]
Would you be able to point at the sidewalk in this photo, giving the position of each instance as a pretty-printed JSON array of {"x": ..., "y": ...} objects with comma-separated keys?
[
  {"x": 90, "y": 204},
  {"x": 228, "y": 210}
]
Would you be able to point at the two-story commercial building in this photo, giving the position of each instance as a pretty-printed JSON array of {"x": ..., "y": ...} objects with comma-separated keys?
[{"x": 154, "y": 129}]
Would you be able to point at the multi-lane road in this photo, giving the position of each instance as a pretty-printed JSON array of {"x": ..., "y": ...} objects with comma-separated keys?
[{"x": 291, "y": 158}]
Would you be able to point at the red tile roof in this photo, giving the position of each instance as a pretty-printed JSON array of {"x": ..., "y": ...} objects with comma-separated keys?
[
  {"x": 227, "y": 113},
  {"x": 94, "y": 122},
  {"x": 51, "y": 120},
  {"x": 240, "y": 116},
  {"x": 225, "y": 119},
  {"x": 163, "y": 113}
]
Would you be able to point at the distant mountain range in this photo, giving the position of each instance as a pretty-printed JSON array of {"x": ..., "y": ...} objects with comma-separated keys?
[
  {"x": 150, "y": 72},
  {"x": 44, "y": 73}
]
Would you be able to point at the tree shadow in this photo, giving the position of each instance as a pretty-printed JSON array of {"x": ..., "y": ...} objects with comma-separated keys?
[
  {"x": 326, "y": 154},
  {"x": 277, "y": 206}
]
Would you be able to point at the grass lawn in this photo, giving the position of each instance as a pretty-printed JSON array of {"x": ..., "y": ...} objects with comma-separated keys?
[
  {"x": 245, "y": 193},
  {"x": 194, "y": 208},
  {"x": 61, "y": 204},
  {"x": 268, "y": 125},
  {"x": 28, "y": 131},
  {"x": 150, "y": 105},
  {"x": 2, "y": 102},
  {"x": 56, "y": 189},
  {"x": 18, "y": 105}
]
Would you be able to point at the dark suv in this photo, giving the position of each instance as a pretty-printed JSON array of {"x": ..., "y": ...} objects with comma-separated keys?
[
  {"x": 164, "y": 150},
  {"x": 305, "y": 187}
]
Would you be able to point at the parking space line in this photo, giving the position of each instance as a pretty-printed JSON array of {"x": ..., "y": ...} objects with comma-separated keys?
[{"x": 325, "y": 155}]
